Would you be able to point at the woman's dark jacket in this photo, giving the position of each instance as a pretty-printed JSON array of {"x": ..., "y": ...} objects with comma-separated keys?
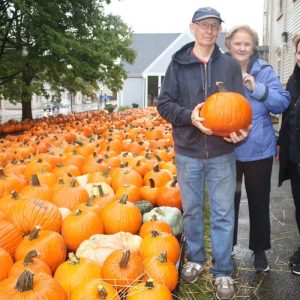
[
  {"x": 187, "y": 83},
  {"x": 293, "y": 86}
]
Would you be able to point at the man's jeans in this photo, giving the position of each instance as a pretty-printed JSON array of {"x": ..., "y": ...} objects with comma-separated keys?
[{"x": 219, "y": 173}]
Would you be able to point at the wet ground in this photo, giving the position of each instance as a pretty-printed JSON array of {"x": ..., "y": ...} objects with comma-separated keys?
[{"x": 279, "y": 283}]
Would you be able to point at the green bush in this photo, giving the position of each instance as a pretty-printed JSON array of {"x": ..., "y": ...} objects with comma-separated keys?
[
  {"x": 110, "y": 108},
  {"x": 122, "y": 108},
  {"x": 135, "y": 105}
]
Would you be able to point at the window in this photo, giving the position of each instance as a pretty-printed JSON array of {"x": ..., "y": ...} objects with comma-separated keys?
[{"x": 280, "y": 9}]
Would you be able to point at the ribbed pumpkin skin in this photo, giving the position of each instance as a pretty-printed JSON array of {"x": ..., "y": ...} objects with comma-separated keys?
[
  {"x": 6, "y": 263},
  {"x": 49, "y": 244},
  {"x": 10, "y": 235},
  {"x": 226, "y": 112},
  {"x": 70, "y": 274},
  {"x": 25, "y": 215},
  {"x": 44, "y": 287},
  {"x": 120, "y": 272}
]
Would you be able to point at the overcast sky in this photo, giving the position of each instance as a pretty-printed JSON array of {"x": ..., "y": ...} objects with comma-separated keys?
[{"x": 168, "y": 16}]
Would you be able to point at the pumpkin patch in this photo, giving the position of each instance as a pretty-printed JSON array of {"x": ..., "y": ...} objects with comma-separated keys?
[{"x": 92, "y": 202}]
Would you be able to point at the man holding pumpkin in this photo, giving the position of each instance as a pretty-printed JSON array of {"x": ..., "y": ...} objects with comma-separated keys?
[{"x": 201, "y": 156}]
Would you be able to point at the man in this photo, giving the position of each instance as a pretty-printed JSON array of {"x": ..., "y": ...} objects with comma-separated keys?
[{"x": 200, "y": 156}]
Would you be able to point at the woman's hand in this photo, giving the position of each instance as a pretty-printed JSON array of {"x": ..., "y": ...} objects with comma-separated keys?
[
  {"x": 197, "y": 120},
  {"x": 238, "y": 137},
  {"x": 249, "y": 81}
]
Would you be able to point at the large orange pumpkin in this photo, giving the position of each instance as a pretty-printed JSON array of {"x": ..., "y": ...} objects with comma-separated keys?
[{"x": 226, "y": 112}]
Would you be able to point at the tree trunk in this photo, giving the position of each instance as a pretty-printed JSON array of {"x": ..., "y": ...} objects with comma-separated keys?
[{"x": 26, "y": 109}]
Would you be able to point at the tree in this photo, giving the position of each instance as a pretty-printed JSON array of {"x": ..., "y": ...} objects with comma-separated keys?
[{"x": 69, "y": 44}]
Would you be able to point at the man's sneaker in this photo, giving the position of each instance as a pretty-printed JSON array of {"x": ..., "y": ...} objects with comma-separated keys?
[
  {"x": 191, "y": 271},
  {"x": 224, "y": 288},
  {"x": 296, "y": 269},
  {"x": 295, "y": 258},
  {"x": 260, "y": 262}
]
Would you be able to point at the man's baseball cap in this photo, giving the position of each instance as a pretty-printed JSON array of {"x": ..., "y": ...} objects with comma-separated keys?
[{"x": 205, "y": 13}]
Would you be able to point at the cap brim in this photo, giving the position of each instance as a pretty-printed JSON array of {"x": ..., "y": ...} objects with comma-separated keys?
[{"x": 207, "y": 17}]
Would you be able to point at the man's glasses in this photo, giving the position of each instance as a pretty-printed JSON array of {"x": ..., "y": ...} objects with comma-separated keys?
[{"x": 206, "y": 26}]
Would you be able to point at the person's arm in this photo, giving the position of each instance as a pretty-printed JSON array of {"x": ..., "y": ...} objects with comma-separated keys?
[
  {"x": 167, "y": 104},
  {"x": 270, "y": 91}
]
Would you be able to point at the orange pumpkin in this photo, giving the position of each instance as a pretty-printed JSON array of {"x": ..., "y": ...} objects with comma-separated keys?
[
  {"x": 122, "y": 268},
  {"x": 79, "y": 226},
  {"x": 30, "y": 262},
  {"x": 94, "y": 289},
  {"x": 121, "y": 215},
  {"x": 157, "y": 242},
  {"x": 49, "y": 244},
  {"x": 29, "y": 286},
  {"x": 161, "y": 270},
  {"x": 226, "y": 112},
  {"x": 75, "y": 270},
  {"x": 149, "y": 290}
]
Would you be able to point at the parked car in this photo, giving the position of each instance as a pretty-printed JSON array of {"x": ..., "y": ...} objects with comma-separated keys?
[{"x": 52, "y": 106}]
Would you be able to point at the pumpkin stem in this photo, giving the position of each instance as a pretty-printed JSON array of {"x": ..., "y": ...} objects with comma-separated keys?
[
  {"x": 154, "y": 218},
  {"x": 101, "y": 192},
  {"x": 221, "y": 87},
  {"x": 2, "y": 174},
  {"x": 73, "y": 182},
  {"x": 102, "y": 292},
  {"x": 34, "y": 234},
  {"x": 124, "y": 198},
  {"x": 106, "y": 172},
  {"x": 77, "y": 212},
  {"x": 35, "y": 180},
  {"x": 29, "y": 257},
  {"x": 154, "y": 233},
  {"x": 90, "y": 201},
  {"x": 14, "y": 195},
  {"x": 163, "y": 257},
  {"x": 125, "y": 259},
  {"x": 174, "y": 181},
  {"x": 152, "y": 183},
  {"x": 156, "y": 168},
  {"x": 149, "y": 284},
  {"x": 73, "y": 259},
  {"x": 25, "y": 282}
]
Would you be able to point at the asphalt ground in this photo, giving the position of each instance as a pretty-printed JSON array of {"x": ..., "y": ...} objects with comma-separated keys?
[{"x": 278, "y": 283}]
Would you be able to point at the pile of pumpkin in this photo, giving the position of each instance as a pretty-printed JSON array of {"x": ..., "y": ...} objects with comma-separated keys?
[{"x": 90, "y": 208}]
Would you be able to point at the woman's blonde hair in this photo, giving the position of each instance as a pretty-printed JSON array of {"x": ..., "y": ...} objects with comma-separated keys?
[
  {"x": 296, "y": 40},
  {"x": 238, "y": 28}
]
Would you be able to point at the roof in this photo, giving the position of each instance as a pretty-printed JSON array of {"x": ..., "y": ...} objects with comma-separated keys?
[{"x": 149, "y": 46}]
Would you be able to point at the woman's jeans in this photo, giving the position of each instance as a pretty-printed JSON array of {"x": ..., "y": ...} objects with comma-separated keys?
[{"x": 219, "y": 173}]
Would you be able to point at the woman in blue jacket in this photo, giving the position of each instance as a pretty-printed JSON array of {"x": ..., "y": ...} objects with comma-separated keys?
[{"x": 255, "y": 155}]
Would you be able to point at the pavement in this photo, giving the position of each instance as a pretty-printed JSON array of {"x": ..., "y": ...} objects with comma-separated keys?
[{"x": 279, "y": 283}]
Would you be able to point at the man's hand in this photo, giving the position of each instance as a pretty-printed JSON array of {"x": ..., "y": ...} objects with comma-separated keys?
[
  {"x": 238, "y": 137},
  {"x": 197, "y": 120}
]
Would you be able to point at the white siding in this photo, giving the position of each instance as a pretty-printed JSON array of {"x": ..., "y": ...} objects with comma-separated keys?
[
  {"x": 132, "y": 92},
  {"x": 274, "y": 25}
]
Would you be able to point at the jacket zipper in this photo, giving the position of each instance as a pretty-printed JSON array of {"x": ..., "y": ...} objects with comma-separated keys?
[{"x": 205, "y": 96}]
